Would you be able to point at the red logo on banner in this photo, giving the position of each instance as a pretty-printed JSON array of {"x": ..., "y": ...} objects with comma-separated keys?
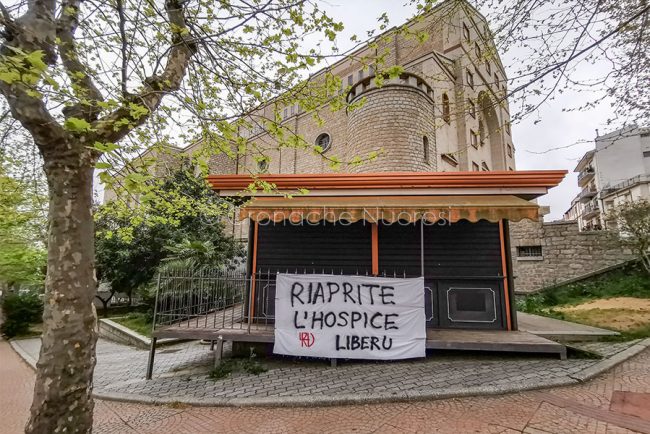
[{"x": 306, "y": 339}]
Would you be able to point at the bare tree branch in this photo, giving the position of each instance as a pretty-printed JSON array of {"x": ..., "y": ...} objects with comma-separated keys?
[
  {"x": 84, "y": 87},
  {"x": 157, "y": 86}
]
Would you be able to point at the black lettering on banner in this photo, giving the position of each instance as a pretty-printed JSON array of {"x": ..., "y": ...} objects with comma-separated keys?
[
  {"x": 295, "y": 319},
  {"x": 389, "y": 324},
  {"x": 319, "y": 293},
  {"x": 330, "y": 319},
  {"x": 338, "y": 343},
  {"x": 385, "y": 295},
  {"x": 296, "y": 295},
  {"x": 370, "y": 287},
  {"x": 316, "y": 319},
  {"x": 332, "y": 291},
  {"x": 354, "y": 318},
  {"x": 372, "y": 321},
  {"x": 343, "y": 319},
  {"x": 354, "y": 342},
  {"x": 347, "y": 290}
]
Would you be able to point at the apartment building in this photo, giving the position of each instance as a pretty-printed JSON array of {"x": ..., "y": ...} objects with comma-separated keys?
[{"x": 615, "y": 171}]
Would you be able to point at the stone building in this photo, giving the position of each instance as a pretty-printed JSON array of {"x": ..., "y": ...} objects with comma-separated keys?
[{"x": 446, "y": 112}]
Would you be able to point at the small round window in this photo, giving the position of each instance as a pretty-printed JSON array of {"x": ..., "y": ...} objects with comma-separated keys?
[
  {"x": 263, "y": 165},
  {"x": 324, "y": 141}
]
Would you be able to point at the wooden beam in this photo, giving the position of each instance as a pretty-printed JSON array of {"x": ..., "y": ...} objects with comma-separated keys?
[
  {"x": 375, "y": 249},
  {"x": 506, "y": 292},
  {"x": 511, "y": 280},
  {"x": 251, "y": 308}
]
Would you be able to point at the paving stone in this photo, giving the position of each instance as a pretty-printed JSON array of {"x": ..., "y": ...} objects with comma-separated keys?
[{"x": 578, "y": 408}]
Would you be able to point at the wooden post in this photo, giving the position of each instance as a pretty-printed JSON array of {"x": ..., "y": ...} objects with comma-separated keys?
[
  {"x": 506, "y": 292},
  {"x": 422, "y": 246},
  {"x": 511, "y": 281},
  {"x": 251, "y": 303},
  {"x": 375, "y": 248}
]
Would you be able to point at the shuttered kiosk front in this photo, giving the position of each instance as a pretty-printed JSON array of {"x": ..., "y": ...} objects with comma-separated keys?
[
  {"x": 452, "y": 229},
  {"x": 435, "y": 242}
]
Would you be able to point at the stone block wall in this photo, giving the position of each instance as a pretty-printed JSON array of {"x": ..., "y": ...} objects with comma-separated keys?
[{"x": 566, "y": 253}]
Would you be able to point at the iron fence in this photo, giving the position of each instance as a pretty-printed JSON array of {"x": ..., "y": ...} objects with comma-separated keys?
[
  {"x": 224, "y": 299},
  {"x": 231, "y": 299}
]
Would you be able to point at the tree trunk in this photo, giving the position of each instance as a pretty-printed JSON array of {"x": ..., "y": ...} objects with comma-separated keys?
[{"x": 62, "y": 395}]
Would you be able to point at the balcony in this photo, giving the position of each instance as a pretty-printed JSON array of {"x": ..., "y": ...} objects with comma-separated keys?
[
  {"x": 592, "y": 209},
  {"x": 587, "y": 194},
  {"x": 585, "y": 176}
]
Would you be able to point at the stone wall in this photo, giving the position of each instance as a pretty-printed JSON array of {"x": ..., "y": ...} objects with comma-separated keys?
[{"x": 567, "y": 253}]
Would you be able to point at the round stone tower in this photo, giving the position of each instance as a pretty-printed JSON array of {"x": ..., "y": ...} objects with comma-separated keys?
[{"x": 396, "y": 120}]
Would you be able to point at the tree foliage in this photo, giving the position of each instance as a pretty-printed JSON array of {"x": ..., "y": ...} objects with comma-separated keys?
[
  {"x": 132, "y": 242},
  {"x": 22, "y": 256},
  {"x": 633, "y": 220},
  {"x": 86, "y": 80}
]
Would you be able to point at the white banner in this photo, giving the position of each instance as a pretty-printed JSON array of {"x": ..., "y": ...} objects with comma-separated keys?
[{"x": 349, "y": 317}]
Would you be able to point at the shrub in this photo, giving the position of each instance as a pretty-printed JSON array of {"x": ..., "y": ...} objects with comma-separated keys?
[
  {"x": 20, "y": 311},
  {"x": 228, "y": 366}
]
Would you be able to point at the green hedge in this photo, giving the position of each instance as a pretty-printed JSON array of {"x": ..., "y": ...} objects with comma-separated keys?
[{"x": 20, "y": 311}]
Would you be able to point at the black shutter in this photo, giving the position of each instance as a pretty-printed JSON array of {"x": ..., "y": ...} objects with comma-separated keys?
[
  {"x": 462, "y": 249},
  {"x": 322, "y": 247}
]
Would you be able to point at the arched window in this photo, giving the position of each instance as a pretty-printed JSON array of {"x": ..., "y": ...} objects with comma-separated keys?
[
  {"x": 425, "y": 145},
  {"x": 481, "y": 132},
  {"x": 446, "y": 115}
]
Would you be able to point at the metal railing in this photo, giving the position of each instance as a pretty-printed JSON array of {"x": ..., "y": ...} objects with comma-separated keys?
[
  {"x": 627, "y": 183},
  {"x": 585, "y": 173},
  {"x": 591, "y": 207},
  {"x": 186, "y": 298},
  {"x": 227, "y": 299}
]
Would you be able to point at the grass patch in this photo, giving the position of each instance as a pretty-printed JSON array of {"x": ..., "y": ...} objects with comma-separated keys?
[
  {"x": 230, "y": 366},
  {"x": 621, "y": 313},
  {"x": 137, "y": 321},
  {"x": 630, "y": 281}
]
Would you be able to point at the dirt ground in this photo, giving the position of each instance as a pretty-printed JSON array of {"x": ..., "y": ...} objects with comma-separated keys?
[{"x": 621, "y": 313}]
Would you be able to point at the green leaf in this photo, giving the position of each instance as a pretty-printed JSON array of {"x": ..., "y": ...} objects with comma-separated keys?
[
  {"x": 35, "y": 58},
  {"x": 104, "y": 147},
  {"x": 77, "y": 125},
  {"x": 10, "y": 77},
  {"x": 137, "y": 111}
]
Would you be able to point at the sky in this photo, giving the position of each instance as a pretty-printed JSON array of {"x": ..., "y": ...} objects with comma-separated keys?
[{"x": 534, "y": 136}]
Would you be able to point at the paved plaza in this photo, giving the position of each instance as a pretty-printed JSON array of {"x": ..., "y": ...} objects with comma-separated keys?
[
  {"x": 182, "y": 376},
  {"x": 614, "y": 402}
]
